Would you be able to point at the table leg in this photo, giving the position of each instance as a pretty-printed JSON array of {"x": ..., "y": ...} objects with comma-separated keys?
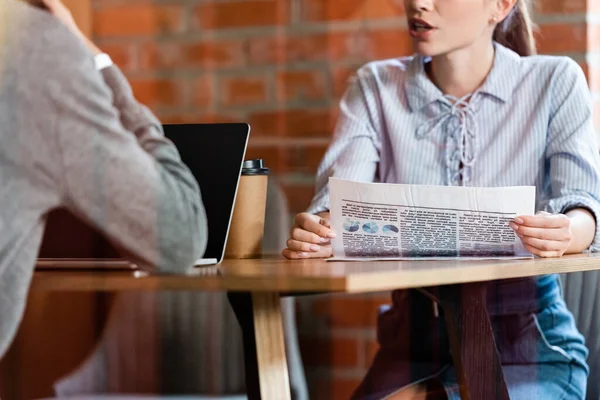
[
  {"x": 472, "y": 342},
  {"x": 259, "y": 315}
]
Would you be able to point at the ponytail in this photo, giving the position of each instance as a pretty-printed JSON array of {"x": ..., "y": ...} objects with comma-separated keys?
[{"x": 516, "y": 31}]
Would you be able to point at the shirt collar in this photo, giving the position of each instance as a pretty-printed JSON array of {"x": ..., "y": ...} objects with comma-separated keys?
[{"x": 500, "y": 82}]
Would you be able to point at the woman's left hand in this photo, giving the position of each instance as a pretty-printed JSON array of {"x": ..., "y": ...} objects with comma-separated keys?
[{"x": 544, "y": 234}]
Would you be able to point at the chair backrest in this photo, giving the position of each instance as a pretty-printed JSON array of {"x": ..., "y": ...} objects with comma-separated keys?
[{"x": 581, "y": 291}]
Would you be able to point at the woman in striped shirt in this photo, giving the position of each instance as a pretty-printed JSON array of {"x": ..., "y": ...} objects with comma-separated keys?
[{"x": 473, "y": 107}]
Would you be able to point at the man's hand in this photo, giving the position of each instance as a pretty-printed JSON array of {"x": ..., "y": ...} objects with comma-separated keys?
[
  {"x": 60, "y": 11},
  {"x": 544, "y": 234}
]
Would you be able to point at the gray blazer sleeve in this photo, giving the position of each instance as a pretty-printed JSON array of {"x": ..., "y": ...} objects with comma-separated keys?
[{"x": 118, "y": 171}]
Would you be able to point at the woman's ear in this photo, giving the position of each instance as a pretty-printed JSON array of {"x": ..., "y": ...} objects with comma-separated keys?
[
  {"x": 506, "y": 6},
  {"x": 503, "y": 8}
]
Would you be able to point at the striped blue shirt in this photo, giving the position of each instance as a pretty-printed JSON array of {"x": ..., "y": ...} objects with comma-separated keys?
[{"x": 529, "y": 124}]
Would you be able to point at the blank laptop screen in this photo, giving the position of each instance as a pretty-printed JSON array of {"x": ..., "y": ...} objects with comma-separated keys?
[{"x": 214, "y": 153}]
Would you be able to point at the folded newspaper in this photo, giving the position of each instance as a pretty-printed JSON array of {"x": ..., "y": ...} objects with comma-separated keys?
[{"x": 380, "y": 221}]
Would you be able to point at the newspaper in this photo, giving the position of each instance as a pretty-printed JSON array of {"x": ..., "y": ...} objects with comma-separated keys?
[{"x": 378, "y": 221}]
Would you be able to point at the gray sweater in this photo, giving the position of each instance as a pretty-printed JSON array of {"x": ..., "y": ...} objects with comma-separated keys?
[{"x": 74, "y": 137}]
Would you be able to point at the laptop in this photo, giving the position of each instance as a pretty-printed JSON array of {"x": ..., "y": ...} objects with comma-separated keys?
[{"x": 214, "y": 153}]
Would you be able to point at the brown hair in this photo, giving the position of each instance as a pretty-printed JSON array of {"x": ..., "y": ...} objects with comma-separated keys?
[{"x": 516, "y": 31}]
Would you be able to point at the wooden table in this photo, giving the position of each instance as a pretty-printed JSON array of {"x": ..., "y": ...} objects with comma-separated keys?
[{"x": 255, "y": 287}]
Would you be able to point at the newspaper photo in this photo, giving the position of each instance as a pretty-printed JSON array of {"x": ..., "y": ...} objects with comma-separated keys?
[{"x": 377, "y": 221}]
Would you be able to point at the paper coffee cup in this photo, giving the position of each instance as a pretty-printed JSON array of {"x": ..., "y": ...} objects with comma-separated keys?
[{"x": 248, "y": 222}]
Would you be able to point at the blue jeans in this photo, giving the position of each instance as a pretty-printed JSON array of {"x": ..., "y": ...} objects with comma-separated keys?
[
  {"x": 554, "y": 369},
  {"x": 543, "y": 355}
]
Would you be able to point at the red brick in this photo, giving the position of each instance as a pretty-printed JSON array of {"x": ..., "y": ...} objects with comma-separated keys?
[
  {"x": 157, "y": 93},
  {"x": 357, "y": 47},
  {"x": 330, "y": 352},
  {"x": 561, "y": 6},
  {"x": 202, "y": 95},
  {"x": 327, "y": 10},
  {"x": 215, "y": 54},
  {"x": 267, "y": 50},
  {"x": 562, "y": 38},
  {"x": 305, "y": 159},
  {"x": 179, "y": 118},
  {"x": 239, "y": 14},
  {"x": 301, "y": 85},
  {"x": 371, "y": 349},
  {"x": 207, "y": 55},
  {"x": 381, "y": 298},
  {"x": 340, "y": 78},
  {"x": 221, "y": 118},
  {"x": 586, "y": 70},
  {"x": 389, "y": 43},
  {"x": 333, "y": 389},
  {"x": 350, "y": 311},
  {"x": 332, "y": 46},
  {"x": 272, "y": 155},
  {"x": 298, "y": 197},
  {"x": 197, "y": 118},
  {"x": 155, "y": 56},
  {"x": 137, "y": 19},
  {"x": 243, "y": 90},
  {"x": 297, "y": 123},
  {"x": 122, "y": 55}
]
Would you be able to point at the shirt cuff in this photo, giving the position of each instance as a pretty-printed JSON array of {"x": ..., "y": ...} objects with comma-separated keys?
[
  {"x": 564, "y": 204},
  {"x": 102, "y": 61},
  {"x": 319, "y": 204}
]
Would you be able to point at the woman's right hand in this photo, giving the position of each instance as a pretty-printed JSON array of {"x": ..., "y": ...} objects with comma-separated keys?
[{"x": 310, "y": 237}]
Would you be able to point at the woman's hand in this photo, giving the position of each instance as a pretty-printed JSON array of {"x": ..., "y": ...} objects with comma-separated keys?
[
  {"x": 310, "y": 237},
  {"x": 60, "y": 11},
  {"x": 544, "y": 234}
]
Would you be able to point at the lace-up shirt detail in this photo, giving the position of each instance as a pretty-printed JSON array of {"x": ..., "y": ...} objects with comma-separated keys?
[{"x": 457, "y": 119}]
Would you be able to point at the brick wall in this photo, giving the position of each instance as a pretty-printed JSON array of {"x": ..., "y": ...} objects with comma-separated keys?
[{"x": 282, "y": 65}]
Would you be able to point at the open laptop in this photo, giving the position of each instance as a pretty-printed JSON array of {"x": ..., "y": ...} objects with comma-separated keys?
[{"x": 214, "y": 153}]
